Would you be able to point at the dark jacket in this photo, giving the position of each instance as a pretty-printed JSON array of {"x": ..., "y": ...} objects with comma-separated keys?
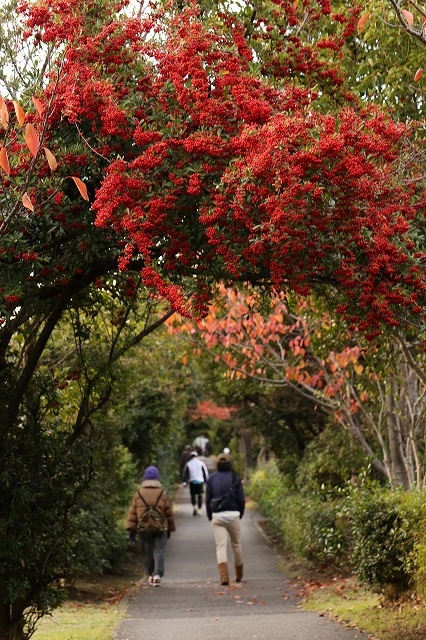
[{"x": 218, "y": 484}]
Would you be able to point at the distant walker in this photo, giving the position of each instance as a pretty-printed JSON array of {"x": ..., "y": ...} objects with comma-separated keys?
[{"x": 196, "y": 473}]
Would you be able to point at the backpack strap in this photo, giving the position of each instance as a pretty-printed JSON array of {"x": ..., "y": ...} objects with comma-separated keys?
[{"x": 156, "y": 502}]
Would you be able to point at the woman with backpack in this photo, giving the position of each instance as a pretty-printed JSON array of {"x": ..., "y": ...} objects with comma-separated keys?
[
  {"x": 225, "y": 504},
  {"x": 150, "y": 514}
]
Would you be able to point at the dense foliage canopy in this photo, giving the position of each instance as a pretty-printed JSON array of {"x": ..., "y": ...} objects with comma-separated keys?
[{"x": 144, "y": 158}]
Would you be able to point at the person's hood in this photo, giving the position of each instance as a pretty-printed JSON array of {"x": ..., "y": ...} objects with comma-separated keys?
[{"x": 152, "y": 483}]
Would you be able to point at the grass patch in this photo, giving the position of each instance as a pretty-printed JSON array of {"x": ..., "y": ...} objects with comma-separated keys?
[
  {"x": 94, "y": 606},
  {"x": 80, "y": 622},
  {"x": 344, "y": 600}
]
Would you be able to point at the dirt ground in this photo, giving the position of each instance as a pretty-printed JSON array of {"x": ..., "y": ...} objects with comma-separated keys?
[{"x": 110, "y": 586}]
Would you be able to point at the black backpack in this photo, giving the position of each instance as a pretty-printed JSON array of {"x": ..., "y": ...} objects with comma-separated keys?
[{"x": 152, "y": 520}]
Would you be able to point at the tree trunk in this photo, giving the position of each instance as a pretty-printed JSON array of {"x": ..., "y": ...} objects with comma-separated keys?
[
  {"x": 397, "y": 462},
  {"x": 12, "y": 621},
  {"x": 4, "y": 619},
  {"x": 11, "y": 626},
  {"x": 247, "y": 452}
]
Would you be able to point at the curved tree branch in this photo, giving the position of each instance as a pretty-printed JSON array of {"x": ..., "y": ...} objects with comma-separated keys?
[{"x": 419, "y": 34}]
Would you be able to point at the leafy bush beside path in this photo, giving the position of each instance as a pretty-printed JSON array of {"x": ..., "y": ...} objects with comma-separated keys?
[{"x": 377, "y": 533}]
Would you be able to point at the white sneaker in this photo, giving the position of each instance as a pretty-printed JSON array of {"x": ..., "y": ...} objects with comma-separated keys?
[{"x": 156, "y": 581}]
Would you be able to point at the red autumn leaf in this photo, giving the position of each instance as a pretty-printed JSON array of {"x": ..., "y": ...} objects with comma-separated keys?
[
  {"x": 26, "y": 201},
  {"x": 81, "y": 187},
  {"x": 53, "y": 164},
  {"x": 31, "y": 139},
  {"x": 39, "y": 106},
  {"x": 362, "y": 21},
  {"x": 4, "y": 114},
  {"x": 19, "y": 112},
  {"x": 4, "y": 161},
  {"x": 409, "y": 18},
  {"x": 418, "y": 74}
]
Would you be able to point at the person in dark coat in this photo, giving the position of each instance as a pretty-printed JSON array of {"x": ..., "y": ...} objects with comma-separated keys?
[
  {"x": 153, "y": 546},
  {"x": 225, "y": 503}
]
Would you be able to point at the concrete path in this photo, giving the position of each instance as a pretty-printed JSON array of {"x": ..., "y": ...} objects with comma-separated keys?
[{"x": 190, "y": 604}]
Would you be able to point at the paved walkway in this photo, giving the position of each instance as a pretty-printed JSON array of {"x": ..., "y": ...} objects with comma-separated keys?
[{"x": 192, "y": 605}]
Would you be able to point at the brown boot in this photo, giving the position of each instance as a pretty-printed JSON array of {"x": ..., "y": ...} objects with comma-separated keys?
[
  {"x": 238, "y": 573},
  {"x": 223, "y": 573}
]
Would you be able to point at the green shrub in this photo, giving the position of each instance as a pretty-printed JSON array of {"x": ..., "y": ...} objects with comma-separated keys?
[
  {"x": 329, "y": 462},
  {"x": 268, "y": 488},
  {"x": 96, "y": 535},
  {"x": 419, "y": 552},
  {"x": 378, "y": 533},
  {"x": 385, "y": 526},
  {"x": 307, "y": 526},
  {"x": 319, "y": 538},
  {"x": 420, "y": 575}
]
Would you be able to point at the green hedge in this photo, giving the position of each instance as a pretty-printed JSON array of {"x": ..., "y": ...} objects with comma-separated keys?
[
  {"x": 307, "y": 526},
  {"x": 386, "y": 532},
  {"x": 378, "y": 533}
]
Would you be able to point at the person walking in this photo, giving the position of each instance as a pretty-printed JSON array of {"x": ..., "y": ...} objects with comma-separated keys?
[
  {"x": 196, "y": 473},
  {"x": 225, "y": 503},
  {"x": 151, "y": 494}
]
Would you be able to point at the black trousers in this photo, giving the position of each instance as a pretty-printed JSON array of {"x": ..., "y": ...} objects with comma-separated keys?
[{"x": 196, "y": 490}]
